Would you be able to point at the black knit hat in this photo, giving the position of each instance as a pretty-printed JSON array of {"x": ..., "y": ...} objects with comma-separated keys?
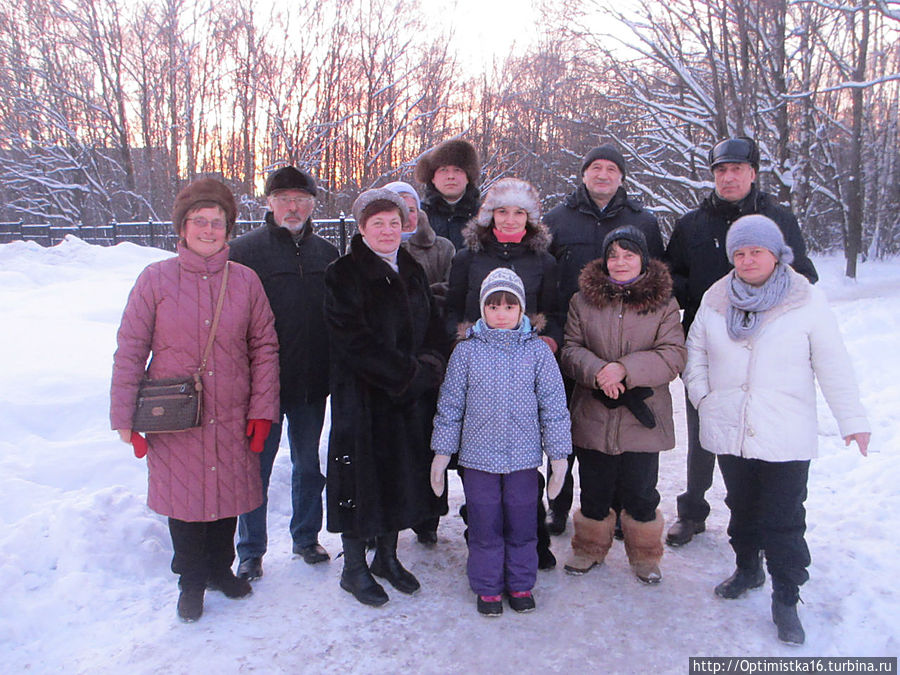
[
  {"x": 628, "y": 233},
  {"x": 449, "y": 153},
  {"x": 206, "y": 190},
  {"x": 290, "y": 178},
  {"x": 607, "y": 152}
]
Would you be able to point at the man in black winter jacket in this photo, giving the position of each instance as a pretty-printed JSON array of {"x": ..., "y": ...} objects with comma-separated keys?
[
  {"x": 697, "y": 259},
  {"x": 578, "y": 226},
  {"x": 449, "y": 172},
  {"x": 290, "y": 260}
]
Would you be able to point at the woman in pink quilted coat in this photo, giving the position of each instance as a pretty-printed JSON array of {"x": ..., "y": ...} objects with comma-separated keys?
[{"x": 205, "y": 477}]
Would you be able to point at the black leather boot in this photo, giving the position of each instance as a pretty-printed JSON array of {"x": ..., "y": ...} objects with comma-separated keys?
[
  {"x": 748, "y": 574},
  {"x": 386, "y": 565},
  {"x": 356, "y": 578}
]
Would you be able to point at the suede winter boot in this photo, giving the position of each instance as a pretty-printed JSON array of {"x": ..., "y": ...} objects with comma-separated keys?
[
  {"x": 386, "y": 565},
  {"x": 748, "y": 574},
  {"x": 590, "y": 543},
  {"x": 356, "y": 577},
  {"x": 784, "y": 614},
  {"x": 643, "y": 544},
  {"x": 190, "y": 603},
  {"x": 230, "y": 585}
]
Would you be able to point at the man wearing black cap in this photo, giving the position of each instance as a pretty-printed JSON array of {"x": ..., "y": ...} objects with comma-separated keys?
[
  {"x": 291, "y": 260},
  {"x": 696, "y": 256},
  {"x": 578, "y": 226},
  {"x": 449, "y": 172}
]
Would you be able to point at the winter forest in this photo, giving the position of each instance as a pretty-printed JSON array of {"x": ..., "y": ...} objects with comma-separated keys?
[{"x": 107, "y": 107}]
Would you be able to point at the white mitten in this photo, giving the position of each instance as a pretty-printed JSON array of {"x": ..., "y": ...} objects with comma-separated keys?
[
  {"x": 438, "y": 466},
  {"x": 558, "y": 468}
]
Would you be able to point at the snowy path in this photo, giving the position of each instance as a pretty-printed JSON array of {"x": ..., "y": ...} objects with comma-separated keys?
[{"x": 85, "y": 563}]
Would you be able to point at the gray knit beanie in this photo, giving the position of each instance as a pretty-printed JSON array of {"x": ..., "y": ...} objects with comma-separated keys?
[
  {"x": 502, "y": 279},
  {"x": 402, "y": 188},
  {"x": 758, "y": 230}
]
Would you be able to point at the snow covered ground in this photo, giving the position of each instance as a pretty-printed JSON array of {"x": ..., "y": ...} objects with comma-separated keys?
[{"x": 85, "y": 564}]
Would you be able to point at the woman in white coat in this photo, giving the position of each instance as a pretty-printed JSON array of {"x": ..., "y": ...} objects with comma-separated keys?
[{"x": 761, "y": 338}]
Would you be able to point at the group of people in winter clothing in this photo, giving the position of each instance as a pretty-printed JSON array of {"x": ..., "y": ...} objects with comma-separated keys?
[{"x": 469, "y": 329}]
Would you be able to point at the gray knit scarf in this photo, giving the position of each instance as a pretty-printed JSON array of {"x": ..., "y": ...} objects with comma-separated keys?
[{"x": 747, "y": 303}]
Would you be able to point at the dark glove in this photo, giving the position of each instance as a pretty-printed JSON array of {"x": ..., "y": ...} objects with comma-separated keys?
[
  {"x": 633, "y": 400},
  {"x": 258, "y": 432},
  {"x": 139, "y": 443},
  {"x": 428, "y": 377}
]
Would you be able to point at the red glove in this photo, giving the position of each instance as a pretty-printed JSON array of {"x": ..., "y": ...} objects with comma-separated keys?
[
  {"x": 139, "y": 443},
  {"x": 258, "y": 432}
]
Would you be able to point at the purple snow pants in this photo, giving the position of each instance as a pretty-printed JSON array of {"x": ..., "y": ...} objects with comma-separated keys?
[{"x": 502, "y": 530}]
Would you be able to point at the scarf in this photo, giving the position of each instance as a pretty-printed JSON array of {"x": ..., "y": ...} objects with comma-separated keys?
[
  {"x": 512, "y": 238},
  {"x": 746, "y": 303}
]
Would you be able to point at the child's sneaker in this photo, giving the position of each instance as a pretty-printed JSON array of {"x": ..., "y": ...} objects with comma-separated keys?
[
  {"x": 521, "y": 601},
  {"x": 490, "y": 605}
]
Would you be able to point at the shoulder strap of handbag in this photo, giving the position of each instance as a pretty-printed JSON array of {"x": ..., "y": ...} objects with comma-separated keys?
[{"x": 215, "y": 323}]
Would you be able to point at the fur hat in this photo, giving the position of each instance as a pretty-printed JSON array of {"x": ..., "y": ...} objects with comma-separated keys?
[
  {"x": 204, "y": 190},
  {"x": 628, "y": 233},
  {"x": 402, "y": 188},
  {"x": 449, "y": 153},
  {"x": 510, "y": 192},
  {"x": 607, "y": 152},
  {"x": 290, "y": 178},
  {"x": 502, "y": 279},
  {"x": 378, "y": 194},
  {"x": 758, "y": 230}
]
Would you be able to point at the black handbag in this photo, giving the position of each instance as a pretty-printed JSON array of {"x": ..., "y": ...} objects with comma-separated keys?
[{"x": 175, "y": 404}]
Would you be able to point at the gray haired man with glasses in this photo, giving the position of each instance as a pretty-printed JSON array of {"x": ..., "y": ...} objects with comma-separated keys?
[{"x": 290, "y": 259}]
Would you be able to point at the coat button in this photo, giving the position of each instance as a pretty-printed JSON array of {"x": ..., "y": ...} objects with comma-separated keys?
[
  {"x": 749, "y": 431},
  {"x": 206, "y": 322},
  {"x": 213, "y": 516},
  {"x": 210, "y": 373},
  {"x": 744, "y": 387},
  {"x": 212, "y": 421},
  {"x": 204, "y": 277},
  {"x": 212, "y": 468}
]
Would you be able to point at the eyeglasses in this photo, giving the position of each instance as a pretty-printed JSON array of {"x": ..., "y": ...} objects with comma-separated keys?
[
  {"x": 284, "y": 200},
  {"x": 203, "y": 222}
]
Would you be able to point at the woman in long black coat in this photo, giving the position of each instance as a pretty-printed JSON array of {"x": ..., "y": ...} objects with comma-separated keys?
[{"x": 388, "y": 356}]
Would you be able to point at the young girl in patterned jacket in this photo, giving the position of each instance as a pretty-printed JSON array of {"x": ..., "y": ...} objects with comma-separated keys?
[{"x": 501, "y": 404}]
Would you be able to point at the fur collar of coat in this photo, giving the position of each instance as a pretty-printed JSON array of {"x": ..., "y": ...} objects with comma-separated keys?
[
  {"x": 477, "y": 238},
  {"x": 650, "y": 292},
  {"x": 373, "y": 267}
]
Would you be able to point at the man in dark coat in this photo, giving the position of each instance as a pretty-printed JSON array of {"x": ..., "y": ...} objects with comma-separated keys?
[
  {"x": 578, "y": 227},
  {"x": 697, "y": 258},
  {"x": 449, "y": 173},
  {"x": 291, "y": 260}
]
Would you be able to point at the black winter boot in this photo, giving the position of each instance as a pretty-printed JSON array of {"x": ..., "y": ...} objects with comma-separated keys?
[
  {"x": 190, "y": 603},
  {"x": 356, "y": 578},
  {"x": 386, "y": 565},
  {"x": 790, "y": 630},
  {"x": 748, "y": 574},
  {"x": 230, "y": 585}
]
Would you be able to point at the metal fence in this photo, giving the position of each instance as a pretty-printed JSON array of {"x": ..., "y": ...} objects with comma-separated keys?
[{"x": 158, "y": 234}]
